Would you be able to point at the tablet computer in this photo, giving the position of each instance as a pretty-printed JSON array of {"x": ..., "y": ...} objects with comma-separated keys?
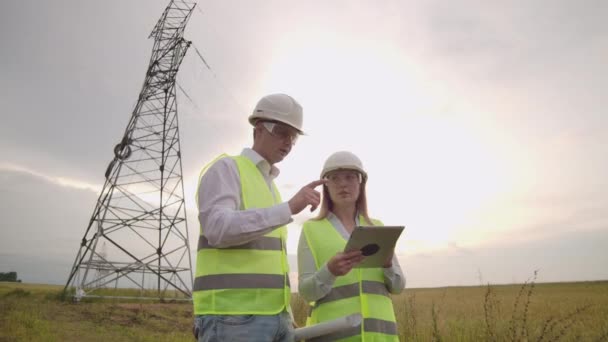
[{"x": 376, "y": 243}]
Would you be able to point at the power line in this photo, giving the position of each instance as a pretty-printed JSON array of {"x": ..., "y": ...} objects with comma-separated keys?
[
  {"x": 220, "y": 83},
  {"x": 186, "y": 94},
  {"x": 200, "y": 55},
  {"x": 208, "y": 68},
  {"x": 200, "y": 11}
]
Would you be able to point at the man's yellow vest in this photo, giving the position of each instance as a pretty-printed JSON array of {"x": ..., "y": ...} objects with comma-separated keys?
[
  {"x": 362, "y": 291},
  {"x": 249, "y": 279}
]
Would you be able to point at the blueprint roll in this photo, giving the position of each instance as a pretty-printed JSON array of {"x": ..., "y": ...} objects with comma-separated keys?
[{"x": 328, "y": 327}]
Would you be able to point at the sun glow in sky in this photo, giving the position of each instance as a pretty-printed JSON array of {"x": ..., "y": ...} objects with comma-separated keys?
[{"x": 431, "y": 167}]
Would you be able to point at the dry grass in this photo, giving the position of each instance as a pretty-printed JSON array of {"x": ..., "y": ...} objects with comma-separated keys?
[
  {"x": 525, "y": 312},
  {"x": 37, "y": 313}
]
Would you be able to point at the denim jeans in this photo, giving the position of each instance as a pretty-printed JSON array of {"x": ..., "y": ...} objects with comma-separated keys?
[{"x": 250, "y": 328}]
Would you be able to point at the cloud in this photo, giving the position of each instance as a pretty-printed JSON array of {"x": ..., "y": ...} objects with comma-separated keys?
[
  {"x": 43, "y": 223},
  {"x": 572, "y": 256},
  {"x": 41, "y": 214},
  {"x": 36, "y": 268},
  {"x": 61, "y": 181},
  {"x": 506, "y": 97},
  {"x": 512, "y": 39}
]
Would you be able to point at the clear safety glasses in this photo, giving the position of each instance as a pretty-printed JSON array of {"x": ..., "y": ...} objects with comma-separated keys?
[
  {"x": 281, "y": 131},
  {"x": 344, "y": 176}
]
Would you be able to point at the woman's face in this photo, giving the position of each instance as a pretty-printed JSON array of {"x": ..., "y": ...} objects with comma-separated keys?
[{"x": 344, "y": 186}]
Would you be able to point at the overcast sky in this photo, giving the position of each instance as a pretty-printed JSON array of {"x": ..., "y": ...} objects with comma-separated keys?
[{"x": 482, "y": 124}]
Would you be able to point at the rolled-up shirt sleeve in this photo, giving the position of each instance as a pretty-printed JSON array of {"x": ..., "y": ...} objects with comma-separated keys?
[{"x": 223, "y": 222}]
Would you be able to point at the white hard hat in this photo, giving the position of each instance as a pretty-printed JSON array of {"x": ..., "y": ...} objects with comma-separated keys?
[
  {"x": 278, "y": 107},
  {"x": 343, "y": 160}
]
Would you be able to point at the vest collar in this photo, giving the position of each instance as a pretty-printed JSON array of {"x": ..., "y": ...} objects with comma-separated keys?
[
  {"x": 262, "y": 164},
  {"x": 335, "y": 221}
]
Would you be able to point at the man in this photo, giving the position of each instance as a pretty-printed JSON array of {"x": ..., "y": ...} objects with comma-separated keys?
[{"x": 241, "y": 288}]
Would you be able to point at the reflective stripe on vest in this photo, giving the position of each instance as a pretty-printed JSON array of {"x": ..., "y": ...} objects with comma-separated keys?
[
  {"x": 267, "y": 243},
  {"x": 352, "y": 290},
  {"x": 251, "y": 278},
  {"x": 239, "y": 281},
  {"x": 360, "y": 291}
]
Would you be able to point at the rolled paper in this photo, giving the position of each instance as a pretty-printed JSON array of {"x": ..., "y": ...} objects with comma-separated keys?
[{"x": 328, "y": 327}]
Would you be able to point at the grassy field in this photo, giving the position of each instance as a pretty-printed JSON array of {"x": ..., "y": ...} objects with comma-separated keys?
[{"x": 529, "y": 312}]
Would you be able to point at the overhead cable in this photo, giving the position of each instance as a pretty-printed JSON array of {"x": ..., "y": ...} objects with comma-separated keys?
[{"x": 221, "y": 84}]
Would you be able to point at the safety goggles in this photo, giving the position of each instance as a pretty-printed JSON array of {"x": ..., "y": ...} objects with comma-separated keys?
[
  {"x": 344, "y": 176},
  {"x": 281, "y": 131}
]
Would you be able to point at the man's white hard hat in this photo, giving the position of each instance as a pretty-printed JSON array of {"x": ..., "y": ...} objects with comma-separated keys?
[
  {"x": 343, "y": 160},
  {"x": 278, "y": 107}
]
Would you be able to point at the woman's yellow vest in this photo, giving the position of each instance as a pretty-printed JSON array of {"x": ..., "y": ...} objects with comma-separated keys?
[
  {"x": 249, "y": 279},
  {"x": 362, "y": 291}
]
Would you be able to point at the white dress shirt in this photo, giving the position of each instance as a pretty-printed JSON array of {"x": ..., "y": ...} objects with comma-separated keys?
[
  {"x": 314, "y": 285},
  {"x": 220, "y": 210}
]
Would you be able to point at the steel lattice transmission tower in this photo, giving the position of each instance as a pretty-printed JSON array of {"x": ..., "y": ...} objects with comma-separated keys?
[{"x": 140, "y": 213}]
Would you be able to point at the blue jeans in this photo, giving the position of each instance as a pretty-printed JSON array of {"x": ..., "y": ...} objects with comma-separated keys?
[{"x": 249, "y": 328}]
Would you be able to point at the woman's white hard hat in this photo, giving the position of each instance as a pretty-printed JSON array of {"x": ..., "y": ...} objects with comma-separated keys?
[
  {"x": 343, "y": 160},
  {"x": 278, "y": 107}
]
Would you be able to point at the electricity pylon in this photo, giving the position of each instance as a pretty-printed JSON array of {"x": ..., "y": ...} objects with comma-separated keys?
[{"x": 141, "y": 213}]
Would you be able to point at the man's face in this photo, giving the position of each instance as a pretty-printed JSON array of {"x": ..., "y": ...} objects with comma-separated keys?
[{"x": 275, "y": 140}]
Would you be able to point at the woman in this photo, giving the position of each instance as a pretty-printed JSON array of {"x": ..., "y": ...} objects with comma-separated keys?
[{"x": 327, "y": 277}]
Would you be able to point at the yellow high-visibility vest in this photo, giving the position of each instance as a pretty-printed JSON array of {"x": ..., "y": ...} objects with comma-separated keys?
[
  {"x": 249, "y": 279},
  {"x": 362, "y": 291}
]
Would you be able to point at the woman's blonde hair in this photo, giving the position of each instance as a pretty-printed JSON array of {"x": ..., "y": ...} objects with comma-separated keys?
[{"x": 361, "y": 205}]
